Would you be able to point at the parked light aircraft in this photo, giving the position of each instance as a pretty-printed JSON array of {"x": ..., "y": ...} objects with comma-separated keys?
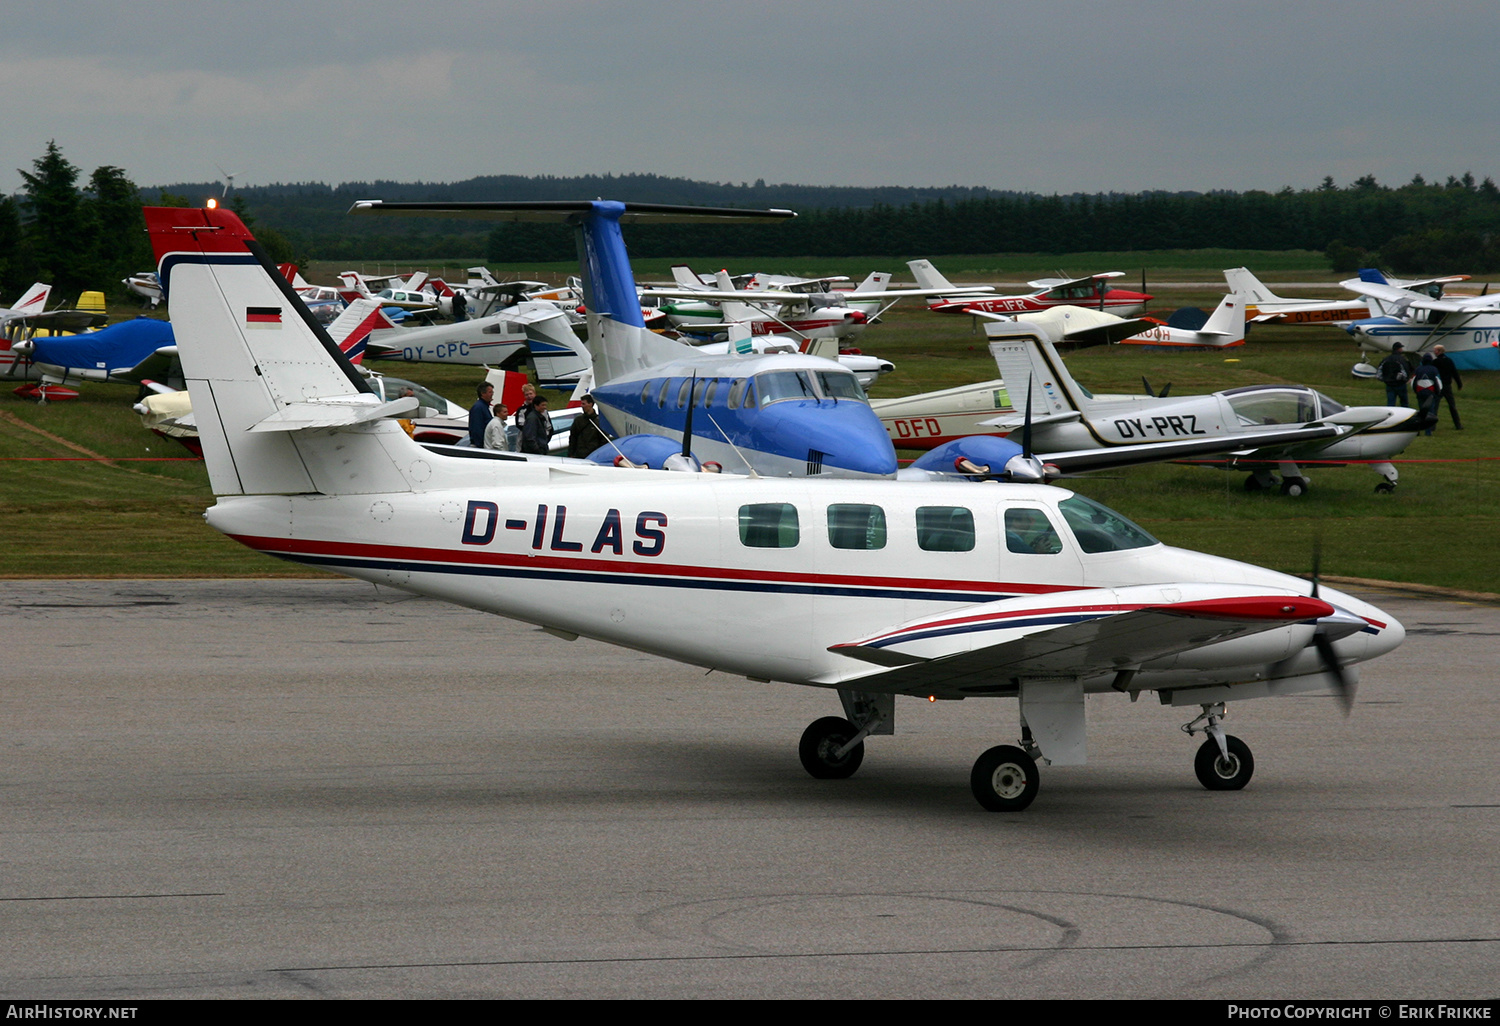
[
  {"x": 872, "y": 588},
  {"x": 1225, "y": 327},
  {"x": 1092, "y": 291},
  {"x": 805, "y": 314},
  {"x": 1070, "y": 418},
  {"x": 525, "y": 328},
  {"x": 1262, "y": 306},
  {"x": 779, "y": 414},
  {"x": 1468, "y": 327}
]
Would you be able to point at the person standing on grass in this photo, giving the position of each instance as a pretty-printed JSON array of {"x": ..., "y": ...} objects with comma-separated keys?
[
  {"x": 1394, "y": 372},
  {"x": 1451, "y": 381}
]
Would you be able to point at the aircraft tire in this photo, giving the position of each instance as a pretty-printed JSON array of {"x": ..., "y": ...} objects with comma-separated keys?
[
  {"x": 821, "y": 739},
  {"x": 1253, "y": 483},
  {"x": 1295, "y": 486},
  {"x": 1385, "y": 488},
  {"x": 1004, "y": 779},
  {"x": 1218, "y": 774}
]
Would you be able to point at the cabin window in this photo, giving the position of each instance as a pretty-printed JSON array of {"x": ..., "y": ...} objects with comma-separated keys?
[
  {"x": 700, "y": 392},
  {"x": 853, "y": 525},
  {"x": 1100, "y": 529},
  {"x": 708, "y": 393},
  {"x": 645, "y": 393},
  {"x": 769, "y": 525},
  {"x": 661, "y": 397},
  {"x": 945, "y": 528},
  {"x": 1029, "y": 531},
  {"x": 682, "y": 393},
  {"x": 736, "y": 393}
]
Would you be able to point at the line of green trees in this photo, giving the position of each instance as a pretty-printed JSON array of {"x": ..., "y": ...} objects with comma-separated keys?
[{"x": 91, "y": 235}]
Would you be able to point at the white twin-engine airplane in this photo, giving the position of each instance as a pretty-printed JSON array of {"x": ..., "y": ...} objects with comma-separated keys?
[{"x": 869, "y": 587}]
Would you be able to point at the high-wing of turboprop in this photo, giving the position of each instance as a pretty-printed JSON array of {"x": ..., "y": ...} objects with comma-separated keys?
[
  {"x": 1068, "y": 418},
  {"x": 1092, "y": 291},
  {"x": 1468, "y": 327},
  {"x": 869, "y": 588},
  {"x": 775, "y": 414}
]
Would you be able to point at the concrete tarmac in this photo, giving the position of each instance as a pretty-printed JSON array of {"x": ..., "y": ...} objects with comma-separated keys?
[{"x": 320, "y": 789}]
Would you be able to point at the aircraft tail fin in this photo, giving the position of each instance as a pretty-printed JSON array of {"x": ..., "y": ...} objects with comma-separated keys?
[
  {"x": 734, "y": 310},
  {"x": 1227, "y": 323},
  {"x": 557, "y": 353},
  {"x": 1030, "y": 364},
  {"x": 263, "y": 372},
  {"x": 34, "y": 300},
  {"x": 928, "y": 276},
  {"x": 684, "y": 277},
  {"x": 875, "y": 281},
  {"x": 1254, "y": 291},
  {"x": 351, "y": 329}
]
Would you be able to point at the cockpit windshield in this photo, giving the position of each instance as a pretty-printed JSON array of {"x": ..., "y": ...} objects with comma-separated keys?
[
  {"x": 1099, "y": 528},
  {"x": 832, "y": 385}
]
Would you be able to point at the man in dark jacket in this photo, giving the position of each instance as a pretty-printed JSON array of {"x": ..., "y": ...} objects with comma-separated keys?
[
  {"x": 480, "y": 414},
  {"x": 1451, "y": 380},
  {"x": 537, "y": 431},
  {"x": 1394, "y": 371},
  {"x": 586, "y": 434}
]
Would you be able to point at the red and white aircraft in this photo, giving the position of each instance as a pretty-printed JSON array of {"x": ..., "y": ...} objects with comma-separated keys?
[
  {"x": 870, "y": 588},
  {"x": 1092, "y": 291}
]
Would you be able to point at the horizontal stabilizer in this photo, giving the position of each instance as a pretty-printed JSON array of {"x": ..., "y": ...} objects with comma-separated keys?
[{"x": 311, "y": 416}]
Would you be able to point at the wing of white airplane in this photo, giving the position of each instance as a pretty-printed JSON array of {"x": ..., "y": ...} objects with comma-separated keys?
[
  {"x": 1075, "y": 634},
  {"x": 1088, "y": 279},
  {"x": 1458, "y": 304},
  {"x": 1380, "y": 290}
]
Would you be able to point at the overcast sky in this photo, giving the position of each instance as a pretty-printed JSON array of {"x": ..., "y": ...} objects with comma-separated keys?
[{"x": 1057, "y": 96}]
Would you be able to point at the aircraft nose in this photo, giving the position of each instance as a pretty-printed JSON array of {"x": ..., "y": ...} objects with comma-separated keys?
[
  {"x": 1383, "y": 632},
  {"x": 845, "y": 437}
]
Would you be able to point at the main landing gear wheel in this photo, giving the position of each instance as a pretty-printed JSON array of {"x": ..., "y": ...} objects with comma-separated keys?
[
  {"x": 820, "y": 744},
  {"x": 1294, "y": 486},
  {"x": 1385, "y": 488},
  {"x": 1260, "y": 481},
  {"x": 1218, "y": 773},
  {"x": 1004, "y": 779}
]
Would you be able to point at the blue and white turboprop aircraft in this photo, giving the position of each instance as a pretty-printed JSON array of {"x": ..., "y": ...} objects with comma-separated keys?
[
  {"x": 782, "y": 415},
  {"x": 870, "y": 588},
  {"x": 1467, "y": 327}
]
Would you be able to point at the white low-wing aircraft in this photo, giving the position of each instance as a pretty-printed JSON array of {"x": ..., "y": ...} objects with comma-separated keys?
[
  {"x": 869, "y": 587},
  {"x": 1067, "y": 417}
]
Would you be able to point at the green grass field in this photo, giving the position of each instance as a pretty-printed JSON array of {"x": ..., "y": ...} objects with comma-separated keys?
[{"x": 140, "y": 515}]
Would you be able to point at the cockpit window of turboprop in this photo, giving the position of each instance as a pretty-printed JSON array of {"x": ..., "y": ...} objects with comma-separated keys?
[{"x": 1099, "y": 528}]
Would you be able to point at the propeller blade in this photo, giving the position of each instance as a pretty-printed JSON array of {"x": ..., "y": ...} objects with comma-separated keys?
[
  {"x": 1165, "y": 391},
  {"x": 687, "y": 428},
  {"x": 1342, "y": 684},
  {"x": 1026, "y": 428},
  {"x": 1147, "y": 384}
]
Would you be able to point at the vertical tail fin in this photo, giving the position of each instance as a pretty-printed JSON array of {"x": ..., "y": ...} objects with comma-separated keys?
[
  {"x": 684, "y": 278},
  {"x": 1250, "y": 287},
  {"x": 351, "y": 329},
  {"x": 927, "y": 276},
  {"x": 34, "y": 301},
  {"x": 1030, "y": 366},
  {"x": 259, "y": 366},
  {"x": 1226, "y": 325}
]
